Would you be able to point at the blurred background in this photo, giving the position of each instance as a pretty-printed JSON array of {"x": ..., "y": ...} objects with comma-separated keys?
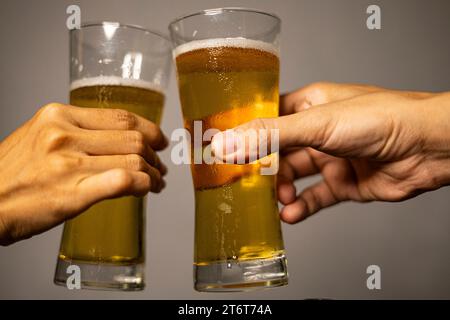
[{"x": 321, "y": 40}]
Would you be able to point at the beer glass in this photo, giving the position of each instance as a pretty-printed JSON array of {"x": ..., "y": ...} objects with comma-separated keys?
[
  {"x": 227, "y": 64},
  {"x": 122, "y": 67}
]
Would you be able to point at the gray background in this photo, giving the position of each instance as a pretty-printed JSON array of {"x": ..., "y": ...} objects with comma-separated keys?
[{"x": 322, "y": 40}]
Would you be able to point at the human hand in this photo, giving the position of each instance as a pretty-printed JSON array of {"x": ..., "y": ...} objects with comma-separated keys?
[
  {"x": 67, "y": 158},
  {"x": 368, "y": 143}
]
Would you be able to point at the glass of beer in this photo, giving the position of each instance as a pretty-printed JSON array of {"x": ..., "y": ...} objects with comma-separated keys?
[
  {"x": 227, "y": 64},
  {"x": 122, "y": 67}
]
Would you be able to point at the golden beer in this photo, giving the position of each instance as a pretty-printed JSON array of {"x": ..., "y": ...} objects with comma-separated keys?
[
  {"x": 113, "y": 66},
  {"x": 224, "y": 83},
  {"x": 112, "y": 231}
]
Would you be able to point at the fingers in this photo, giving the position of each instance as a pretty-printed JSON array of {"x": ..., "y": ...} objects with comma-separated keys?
[
  {"x": 302, "y": 162},
  {"x": 321, "y": 93},
  {"x": 114, "y": 183},
  {"x": 314, "y": 125},
  {"x": 308, "y": 202},
  {"x": 117, "y": 119},
  {"x": 286, "y": 191},
  {"x": 310, "y": 128},
  {"x": 117, "y": 142},
  {"x": 326, "y": 92},
  {"x": 353, "y": 128},
  {"x": 285, "y": 183},
  {"x": 297, "y": 164},
  {"x": 292, "y": 166},
  {"x": 131, "y": 162}
]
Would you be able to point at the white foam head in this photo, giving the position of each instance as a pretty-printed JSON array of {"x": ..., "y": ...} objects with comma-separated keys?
[
  {"x": 114, "y": 81},
  {"x": 225, "y": 42}
]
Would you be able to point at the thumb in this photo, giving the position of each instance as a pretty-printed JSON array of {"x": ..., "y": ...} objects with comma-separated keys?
[
  {"x": 358, "y": 127},
  {"x": 260, "y": 137}
]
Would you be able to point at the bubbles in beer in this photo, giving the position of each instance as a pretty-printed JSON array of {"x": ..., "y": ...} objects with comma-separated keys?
[
  {"x": 114, "y": 81},
  {"x": 224, "y": 83},
  {"x": 217, "y": 44}
]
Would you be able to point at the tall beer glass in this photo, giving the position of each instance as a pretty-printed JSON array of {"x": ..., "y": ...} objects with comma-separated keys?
[
  {"x": 121, "y": 67},
  {"x": 228, "y": 71}
]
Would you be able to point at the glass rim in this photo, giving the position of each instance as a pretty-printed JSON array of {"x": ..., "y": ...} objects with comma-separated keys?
[
  {"x": 120, "y": 25},
  {"x": 221, "y": 10}
]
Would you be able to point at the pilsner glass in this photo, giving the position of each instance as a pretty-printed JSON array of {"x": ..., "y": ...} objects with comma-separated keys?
[
  {"x": 227, "y": 64},
  {"x": 123, "y": 67}
]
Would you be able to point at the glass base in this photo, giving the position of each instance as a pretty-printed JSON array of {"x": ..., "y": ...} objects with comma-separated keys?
[
  {"x": 102, "y": 276},
  {"x": 241, "y": 275}
]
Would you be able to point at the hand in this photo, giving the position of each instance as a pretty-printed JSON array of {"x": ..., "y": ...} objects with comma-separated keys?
[
  {"x": 66, "y": 158},
  {"x": 368, "y": 143}
]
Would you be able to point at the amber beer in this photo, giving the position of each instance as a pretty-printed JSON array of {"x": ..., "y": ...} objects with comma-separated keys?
[
  {"x": 112, "y": 231},
  {"x": 224, "y": 83}
]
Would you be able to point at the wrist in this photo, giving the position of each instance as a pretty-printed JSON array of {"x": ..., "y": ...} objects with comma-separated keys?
[
  {"x": 5, "y": 209},
  {"x": 435, "y": 116},
  {"x": 4, "y": 231}
]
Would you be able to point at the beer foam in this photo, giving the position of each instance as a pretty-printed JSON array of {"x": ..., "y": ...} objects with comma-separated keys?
[
  {"x": 114, "y": 81},
  {"x": 225, "y": 42}
]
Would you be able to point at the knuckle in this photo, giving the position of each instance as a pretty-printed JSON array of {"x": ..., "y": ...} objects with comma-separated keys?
[
  {"x": 52, "y": 111},
  {"x": 135, "y": 162},
  {"x": 63, "y": 164},
  {"x": 123, "y": 179},
  {"x": 262, "y": 127},
  {"x": 317, "y": 92},
  {"x": 127, "y": 119},
  {"x": 260, "y": 123},
  {"x": 317, "y": 86},
  {"x": 55, "y": 137},
  {"x": 138, "y": 141},
  {"x": 258, "y": 131}
]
